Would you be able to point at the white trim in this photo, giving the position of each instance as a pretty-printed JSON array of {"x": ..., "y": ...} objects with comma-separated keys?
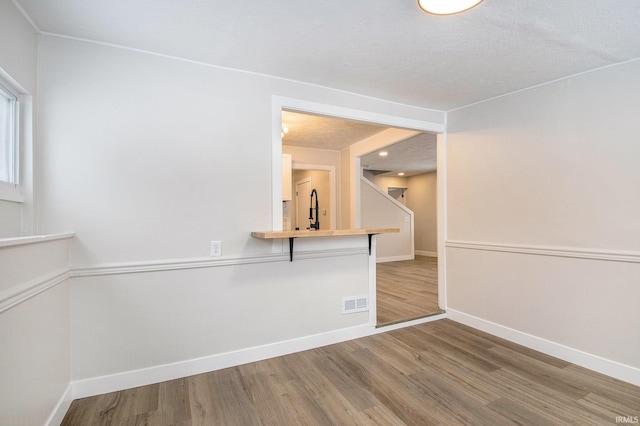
[
  {"x": 130, "y": 379},
  {"x": 375, "y": 187},
  {"x": 373, "y": 296},
  {"x": 573, "y": 252},
  {"x": 402, "y": 207},
  {"x": 394, "y": 258},
  {"x": 278, "y": 103},
  {"x": 426, "y": 253},
  {"x": 546, "y": 83},
  {"x": 416, "y": 321},
  {"x": 61, "y": 408},
  {"x": 205, "y": 262},
  {"x": 25, "y": 15},
  {"x": 276, "y": 168},
  {"x": 441, "y": 215},
  {"x": 160, "y": 373},
  {"x": 238, "y": 70},
  {"x": 30, "y": 239},
  {"x": 10, "y": 192},
  {"x": 301, "y": 105},
  {"x": 25, "y": 291},
  {"x": 610, "y": 368}
]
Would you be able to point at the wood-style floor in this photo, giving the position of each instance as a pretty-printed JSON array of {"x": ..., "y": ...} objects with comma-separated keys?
[
  {"x": 406, "y": 290},
  {"x": 439, "y": 373}
]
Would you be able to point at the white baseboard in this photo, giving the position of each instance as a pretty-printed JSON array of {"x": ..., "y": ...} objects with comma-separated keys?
[
  {"x": 61, "y": 408},
  {"x": 592, "y": 362},
  {"x": 142, "y": 377},
  {"x": 147, "y": 376},
  {"x": 426, "y": 253},
  {"x": 395, "y": 258}
]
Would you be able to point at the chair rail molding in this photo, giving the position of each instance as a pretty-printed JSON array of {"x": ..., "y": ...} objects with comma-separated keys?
[{"x": 555, "y": 251}]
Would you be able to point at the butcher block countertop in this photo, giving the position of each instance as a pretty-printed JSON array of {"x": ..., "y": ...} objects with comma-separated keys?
[
  {"x": 291, "y": 235},
  {"x": 271, "y": 235}
]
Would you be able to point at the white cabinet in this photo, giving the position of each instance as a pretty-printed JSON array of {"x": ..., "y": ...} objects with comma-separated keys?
[{"x": 286, "y": 177}]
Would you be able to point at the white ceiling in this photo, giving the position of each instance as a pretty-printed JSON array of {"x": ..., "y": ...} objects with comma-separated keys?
[
  {"x": 315, "y": 131},
  {"x": 411, "y": 156},
  {"x": 387, "y": 49}
]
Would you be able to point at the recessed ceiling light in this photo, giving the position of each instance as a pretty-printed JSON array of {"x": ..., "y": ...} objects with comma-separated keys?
[
  {"x": 383, "y": 153},
  {"x": 401, "y": 174},
  {"x": 447, "y": 7}
]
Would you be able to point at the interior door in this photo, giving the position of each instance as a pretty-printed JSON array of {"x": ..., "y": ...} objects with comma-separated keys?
[{"x": 303, "y": 198}]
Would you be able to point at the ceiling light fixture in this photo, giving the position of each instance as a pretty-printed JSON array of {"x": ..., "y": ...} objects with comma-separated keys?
[
  {"x": 447, "y": 7},
  {"x": 383, "y": 153},
  {"x": 285, "y": 130},
  {"x": 401, "y": 174}
]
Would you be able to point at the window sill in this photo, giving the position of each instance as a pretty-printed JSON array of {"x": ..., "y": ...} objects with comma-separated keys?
[{"x": 10, "y": 193}]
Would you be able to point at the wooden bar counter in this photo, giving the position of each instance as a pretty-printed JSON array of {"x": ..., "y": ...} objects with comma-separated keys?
[{"x": 306, "y": 233}]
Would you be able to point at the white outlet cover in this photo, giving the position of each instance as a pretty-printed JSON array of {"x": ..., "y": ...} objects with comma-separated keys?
[{"x": 216, "y": 248}]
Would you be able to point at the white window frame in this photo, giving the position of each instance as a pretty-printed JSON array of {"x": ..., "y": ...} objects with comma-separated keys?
[{"x": 11, "y": 190}]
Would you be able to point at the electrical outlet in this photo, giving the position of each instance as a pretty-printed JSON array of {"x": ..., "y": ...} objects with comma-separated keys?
[{"x": 216, "y": 248}]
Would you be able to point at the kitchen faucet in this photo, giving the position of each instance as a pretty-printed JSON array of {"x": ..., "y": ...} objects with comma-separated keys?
[{"x": 313, "y": 225}]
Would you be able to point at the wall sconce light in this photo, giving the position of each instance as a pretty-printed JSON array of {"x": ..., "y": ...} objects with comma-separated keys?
[{"x": 447, "y": 7}]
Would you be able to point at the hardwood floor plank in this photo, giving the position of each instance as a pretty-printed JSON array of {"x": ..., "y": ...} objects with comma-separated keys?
[
  {"x": 440, "y": 373},
  {"x": 561, "y": 408},
  {"x": 454, "y": 403},
  {"x": 536, "y": 371},
  {"x": 268, "y": 406},
  {"x": 406, "y": 289},
  {"x": 380, "y": 416},
  {"x": 394, "y": 390},
  {"x": 521, "y": 414},
  {"x": 602, "y": 385},
  {"x": 174, "y": 406},
  {"x": 346, "y": 384},
  {"x": 606, "y": 407},
  {"x": 397, "y": 355}
]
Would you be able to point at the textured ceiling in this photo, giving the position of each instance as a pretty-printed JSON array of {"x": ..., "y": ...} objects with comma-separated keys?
[
  {"x": 387, "y": 49},
  {"x": 314, "y": 131},
  {"x": 411, "y": 156}
]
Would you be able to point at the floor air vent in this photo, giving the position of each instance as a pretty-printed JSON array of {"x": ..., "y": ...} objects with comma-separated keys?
[{"x": 353, "y": 304}]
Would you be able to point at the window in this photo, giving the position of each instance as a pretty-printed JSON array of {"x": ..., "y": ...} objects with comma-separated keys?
[
  {"x": 8, "y": 139},
  {"x": 9, "y": 143}
]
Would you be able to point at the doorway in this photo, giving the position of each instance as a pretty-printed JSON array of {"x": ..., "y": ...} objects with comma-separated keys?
[
  {"x": 407, "y": 290},
  {"x": 305, "y": 180},
  {"x": 349, "y": 168},
  {"x": 302, "y": 193}
]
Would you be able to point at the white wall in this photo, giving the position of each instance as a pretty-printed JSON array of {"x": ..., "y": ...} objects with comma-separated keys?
[
  {"x": 34, "y": 278},
  {"x": 34, "y": 331},
  {"x": 145, "y": 158},
  {"x": 543, "y": 208},
  {"x": 18, "y": 59},
  {"x": 422, "y": 198},
  {"x": 384, "y": 182},
  {"x": 378, "y": 210}
]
